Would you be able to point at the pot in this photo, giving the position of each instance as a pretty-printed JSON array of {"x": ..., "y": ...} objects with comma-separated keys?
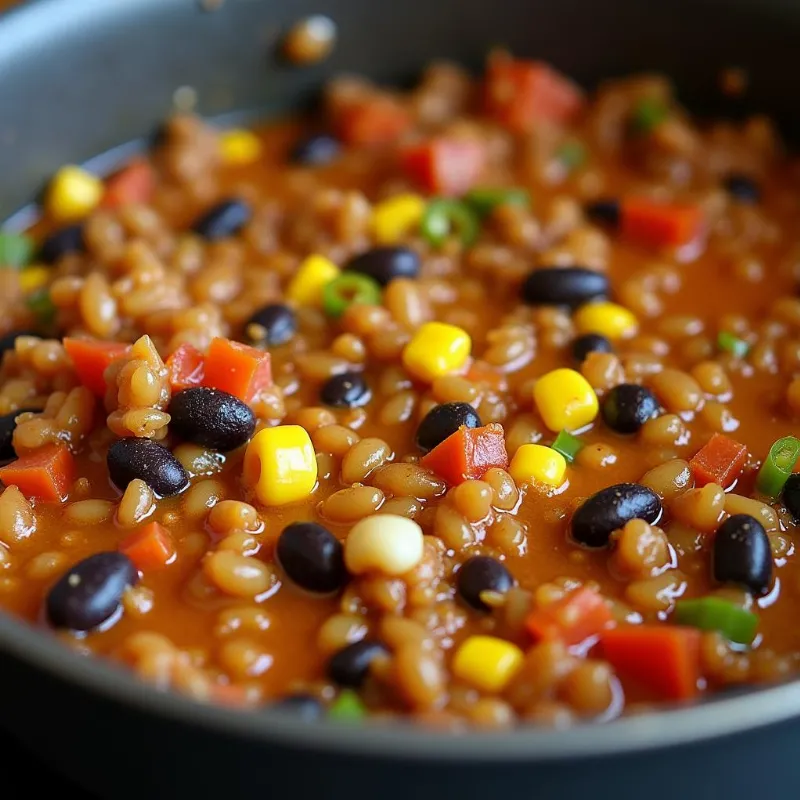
[{"x": 80, "y": 78}]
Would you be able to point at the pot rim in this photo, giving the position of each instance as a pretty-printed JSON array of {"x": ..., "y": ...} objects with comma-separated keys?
[{"x": 660, "y": 729}]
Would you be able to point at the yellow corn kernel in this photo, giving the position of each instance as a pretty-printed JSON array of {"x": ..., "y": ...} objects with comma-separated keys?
[
  {"x": 538, "y": 464},
  {"x": 394, "y": 218},
  {"x": 487, "y": 663},
  {"x": 280, "y": 465},
  {"x": 34, "y": 278},
  {"x": 609, "y": 319},
  {"x": 239, "y": 147},
  {"x": 313, "y": 274},
  {"x": 436, "y": 349},
  {"x": 72, "y": 194},
  {"x": 565, "y": 400}
]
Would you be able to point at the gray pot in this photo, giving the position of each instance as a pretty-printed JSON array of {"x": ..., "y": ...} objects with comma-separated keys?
[{"x": 78, "y": 77}]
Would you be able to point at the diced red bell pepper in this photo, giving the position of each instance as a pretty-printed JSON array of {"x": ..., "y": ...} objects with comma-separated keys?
[
  {"x": 445, "y": 166},
  {"x": 134, "y": 183},
  {"x": 721, "y": 460},
  {"x": 91, "y": 358},
  {"x": 468, "y": 453},
  {"x": 664, "y": 658},
  {"x": 521, "y": 93},
  {"x": 657, "y": 224},
  {"x": 45, "y": 474},
  {"x": 573, "y": 619},
  {"x": 149, "y": 548},
  {"x": 237, "y": 369},
  {"x": 186, "y": 368},
  {"x": 372, "y": 121}
]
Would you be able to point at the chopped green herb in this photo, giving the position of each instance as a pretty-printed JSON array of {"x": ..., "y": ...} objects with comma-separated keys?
[
  {"x": 778, "y": 466},
  {"x": 349, "y": 289},
  {"x": 16, "y": 250},
  {"x": 732, "y": 344},
  {"x": 648, "y": 114},
  {"x": 572, "y": 154},
  {"x": 484, "y": 201},
  {"x": 445, "y": 217},
  {"x": 347, "y": 707},
  {"x": 568, "y": 445},
  {"x": 715, "y": 614},
  {"x": 41, "y": 304}
]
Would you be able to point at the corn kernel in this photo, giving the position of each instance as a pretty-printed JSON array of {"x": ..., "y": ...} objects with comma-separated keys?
[
  {"x": 609, "y": 319},
  {"x": 565, "y": 400},
  {"x": 487, "y": 663},
  {"x": 280, "y": 465},
  {"x": 72, "y": 194},
  {"x": 538, "y": 464},
  {"x": 34, "y": 278},
  {"x": 394, "y": 218},
  {"x": 436, "y": 349},
  {"x": 306, "y": 286},
  {"x": 239, "y": 147}
]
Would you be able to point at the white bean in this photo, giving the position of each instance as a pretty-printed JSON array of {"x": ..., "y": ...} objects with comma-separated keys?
[{"x": 383, "y": 543}]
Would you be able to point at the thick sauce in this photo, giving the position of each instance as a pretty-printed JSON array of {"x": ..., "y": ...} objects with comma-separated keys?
[{"x": 738, "y": 276}]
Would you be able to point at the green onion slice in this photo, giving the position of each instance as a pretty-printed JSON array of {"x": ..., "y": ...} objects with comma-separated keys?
[
  {"x": 347, "y": 707},
  {"x": 485, "y": 200},
  {"x": 350, "y": 288},
  {"x": 572, "y": 154},
  {"x": 16, "y": 250},
  {"x": 732, "y": 344},
  {"x": 568, "y": 445},
  {"x": 715, "y": 614},
  {"x": 778, "y": 466},
  {"x": 444, "y": 217},
  {"x": 648, "y": 114}
]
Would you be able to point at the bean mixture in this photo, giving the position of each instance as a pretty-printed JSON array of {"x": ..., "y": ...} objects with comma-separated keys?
[{"x": 472, "y": 404}]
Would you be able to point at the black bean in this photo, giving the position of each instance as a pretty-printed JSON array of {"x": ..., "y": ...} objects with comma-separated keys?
[
  {"x": 212, "y": 418},
  {"x": 590, "y": 343},
  {"x": 303, "y": 706},
  {"x": 742, "y": 554},
  {"x": 564, "y": 286},
  {"x": 482, "y": 574},
  {"x": 609, "y": 509},
  {"x": 223, "y": 220},
  {"x": 90, "y": 592},
  {"x": 443, "y": 421},
  {"x": 384, "y": 264},
  {"x": 350, "y": 666},
  {"x": 604, "y": 212},
  {"x": 743, "y": 188},
  {"x": 149, "y": 461},
  {"x": 316, "y": 150},
  {"x": 312, "y": 557},
  {"x": 9, "y": 340},
  {"x": 8, "y": 423},
  {"x": 347, "y": 390},
  {"x": 61, "y": 243},
  {"x": 628, "y": 406},
  {"x": 278, "y": 322},
  {"x": 791, "y": 496}
]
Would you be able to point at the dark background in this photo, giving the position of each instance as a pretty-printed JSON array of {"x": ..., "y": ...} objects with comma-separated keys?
[{"x": 19, "y": 767}]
